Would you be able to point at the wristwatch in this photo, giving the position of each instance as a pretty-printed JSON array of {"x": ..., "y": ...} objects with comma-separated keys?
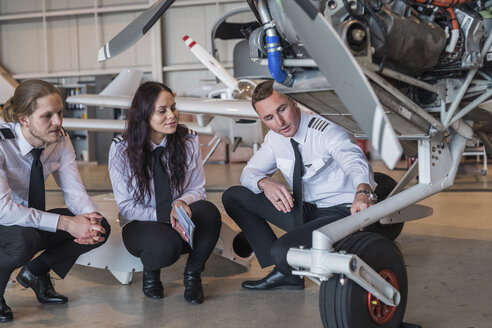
[{"x": 372, "y": 196}]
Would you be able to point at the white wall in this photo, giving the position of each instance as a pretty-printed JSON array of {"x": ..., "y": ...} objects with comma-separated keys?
[{"x": 60, "y": 38}]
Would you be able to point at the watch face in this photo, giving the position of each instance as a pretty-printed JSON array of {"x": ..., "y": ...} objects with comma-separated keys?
[{"x": 372, "y": 196}]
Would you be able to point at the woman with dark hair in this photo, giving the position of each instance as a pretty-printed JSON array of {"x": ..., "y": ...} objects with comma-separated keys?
[{"x": 156, "y": 168}]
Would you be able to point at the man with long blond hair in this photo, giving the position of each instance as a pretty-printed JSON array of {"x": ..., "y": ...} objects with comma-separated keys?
[{"x": 34, "y": 145}]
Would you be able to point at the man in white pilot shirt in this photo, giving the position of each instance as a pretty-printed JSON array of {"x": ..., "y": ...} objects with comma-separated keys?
[
  {"x": 336, "y": 179},
  {"x": 34, "y": 145}
]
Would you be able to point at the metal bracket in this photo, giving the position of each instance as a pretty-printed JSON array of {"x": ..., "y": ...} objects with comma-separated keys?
[
  {"x": 214, "y": 147},
  {"x": 323, "y": 265}
]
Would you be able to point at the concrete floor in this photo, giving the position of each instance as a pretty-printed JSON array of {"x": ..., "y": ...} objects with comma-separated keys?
[{"x": 447, "y": 257}]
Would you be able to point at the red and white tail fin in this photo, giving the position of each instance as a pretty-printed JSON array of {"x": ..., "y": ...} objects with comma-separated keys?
[{"x": 211, "y": 63}]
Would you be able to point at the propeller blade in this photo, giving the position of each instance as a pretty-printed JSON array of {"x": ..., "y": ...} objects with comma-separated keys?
[
  {"x": 343, "y": 73},
  {"x": 134, "y": 31},
  {"x": 211, "y": 63}
]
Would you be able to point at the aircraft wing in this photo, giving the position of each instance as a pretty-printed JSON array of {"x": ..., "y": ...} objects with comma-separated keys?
[
  {"x": 237, "y": 108},
  {"x": 101, "y": 100},
  {"x": 91, "y": 124},
  {"x": 343, "y": 73}
]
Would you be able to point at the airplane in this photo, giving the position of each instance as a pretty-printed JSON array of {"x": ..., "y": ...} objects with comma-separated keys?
[
  {"x": 413, "y": 77},
  {"x": 227, "y": 114}
]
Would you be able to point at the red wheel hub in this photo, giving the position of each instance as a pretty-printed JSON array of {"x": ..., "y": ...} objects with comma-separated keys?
[{"x": 381, "y": 313}]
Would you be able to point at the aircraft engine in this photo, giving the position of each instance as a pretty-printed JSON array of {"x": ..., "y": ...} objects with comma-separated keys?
[
  {"x": 404, "y": 39},
  {"x": 416, "y": 36},
  {"x": 411, "y": 36}
]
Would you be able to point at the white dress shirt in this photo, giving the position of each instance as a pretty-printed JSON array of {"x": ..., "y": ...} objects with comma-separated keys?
[
  {"x": 333, "y": 163},
  {"x": 120, "y": 172},
  {"x": 15, "y": 162}
]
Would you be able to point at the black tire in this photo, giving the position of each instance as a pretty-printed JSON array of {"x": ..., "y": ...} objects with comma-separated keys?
[
  {"x": 347, "y": 306},
  {"x": 241, "y": 246},
  {"x": 385, "y": 185}
]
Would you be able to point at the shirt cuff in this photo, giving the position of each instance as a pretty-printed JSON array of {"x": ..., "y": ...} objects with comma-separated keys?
[
  {"x": 363, "y": 178},
  {"x": 49, "y": 222},
  {"x": 253, "y": 184}
]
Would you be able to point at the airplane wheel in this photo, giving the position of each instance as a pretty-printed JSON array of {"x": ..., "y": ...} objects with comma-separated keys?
[
  {"x": 385, "y": 185},
  {"x": 349, "y": 305}
]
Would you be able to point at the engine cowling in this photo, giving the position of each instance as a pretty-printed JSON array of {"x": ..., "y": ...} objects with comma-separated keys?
[{"x": 407, "y": 41}]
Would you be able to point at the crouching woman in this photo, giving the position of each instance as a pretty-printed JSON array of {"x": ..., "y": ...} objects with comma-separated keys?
[{"x": 155, "y": 169}]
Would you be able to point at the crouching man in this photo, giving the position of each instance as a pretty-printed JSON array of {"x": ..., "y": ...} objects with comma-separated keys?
[{"x": 34, "y": 145}]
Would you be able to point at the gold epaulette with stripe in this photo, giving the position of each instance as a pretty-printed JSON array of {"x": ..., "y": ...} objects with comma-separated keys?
[
  {"x": 6, "y": 133},
  {"x": 118, "y": 139},
  {"x": 318, "y": 124},
  {"x": 190, "y": 131}
]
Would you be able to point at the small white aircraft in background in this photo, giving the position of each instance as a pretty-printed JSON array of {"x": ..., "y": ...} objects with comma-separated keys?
[{"x": 226, "y": 114}]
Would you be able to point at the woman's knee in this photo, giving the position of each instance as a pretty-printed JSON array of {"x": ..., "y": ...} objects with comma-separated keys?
[
  {"x": 207, "y": 213},
  {"x": 162, "y": 255},
  {"x": 156, "y": 244}
]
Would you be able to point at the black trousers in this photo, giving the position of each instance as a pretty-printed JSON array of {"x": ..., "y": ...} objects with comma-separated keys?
[
  {"x": 18, "y": 245},
  {"x": 158, "y": 245},
  {"x": 252, "y": 211}
]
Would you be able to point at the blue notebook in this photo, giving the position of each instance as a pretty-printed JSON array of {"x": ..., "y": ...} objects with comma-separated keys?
[{"x": 185, "y": 221}]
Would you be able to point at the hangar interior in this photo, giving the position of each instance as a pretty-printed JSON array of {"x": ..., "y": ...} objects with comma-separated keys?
[{"x": 446, "y": 254}]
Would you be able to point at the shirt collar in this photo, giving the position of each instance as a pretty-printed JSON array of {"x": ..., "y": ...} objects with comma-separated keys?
[
  {"x": 301, "y": 132},
  {"x": 162, "y": 144},
  {"x": 24, "y": 146}
]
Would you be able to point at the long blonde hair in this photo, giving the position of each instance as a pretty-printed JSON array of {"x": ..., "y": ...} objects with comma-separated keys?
[{"x": 25, "y": 99}]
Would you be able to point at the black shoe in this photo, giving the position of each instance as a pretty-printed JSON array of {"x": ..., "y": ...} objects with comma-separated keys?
[
  {"x": 152, "y": 285},
  {"x": 275, "y": 280},
  {"x": 5, "y": 311},
  {"x": 42, "y": 286},
  {"x": 193, "y": 293}
]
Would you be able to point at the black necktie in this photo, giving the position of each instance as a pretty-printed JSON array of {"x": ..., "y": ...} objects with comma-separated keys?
[
  {"x": 163, "y": 198},
  {"x": 36, "y": 183},
  {"x": 297, "y": 185}
]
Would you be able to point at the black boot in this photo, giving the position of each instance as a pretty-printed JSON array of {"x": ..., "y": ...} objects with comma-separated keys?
[
  {"x": 5, "y": 311},
  {"x": 152, "y": 285},
  {"x": 275, "y": 280},
  {"x": 193, "y": 287},
  {"x": 42, "y": 286}
]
